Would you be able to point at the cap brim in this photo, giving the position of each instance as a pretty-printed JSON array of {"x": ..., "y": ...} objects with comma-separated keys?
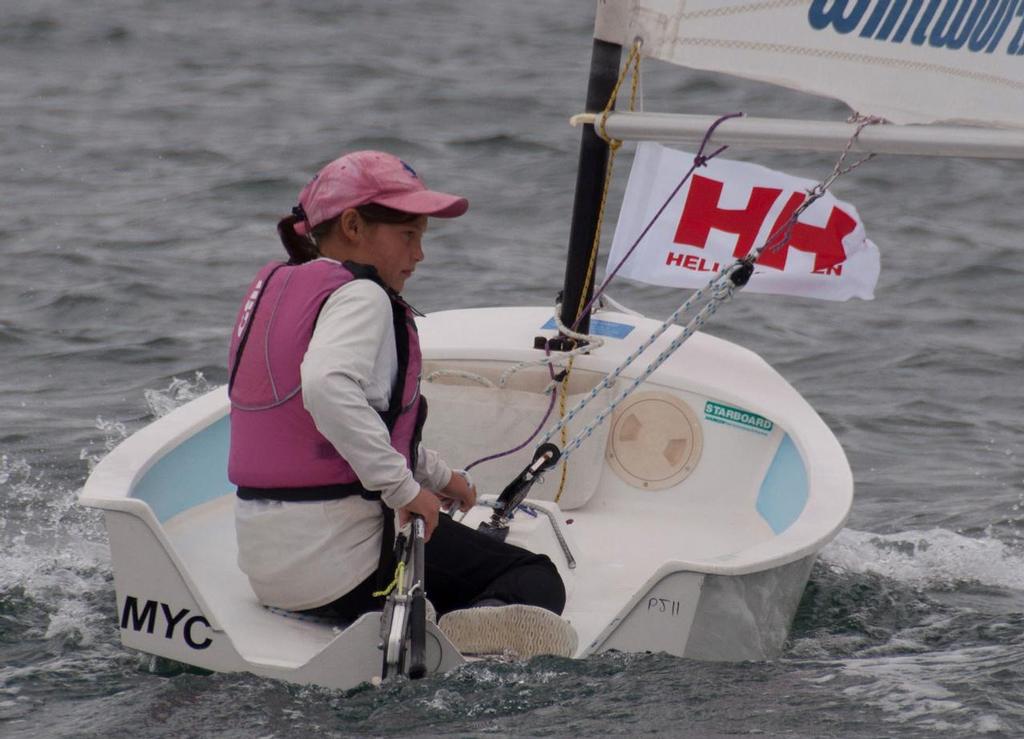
[{"x": 426, "y": 203}]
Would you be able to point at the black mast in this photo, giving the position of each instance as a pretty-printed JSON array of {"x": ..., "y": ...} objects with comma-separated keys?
[{"x": 590, "y": 177}]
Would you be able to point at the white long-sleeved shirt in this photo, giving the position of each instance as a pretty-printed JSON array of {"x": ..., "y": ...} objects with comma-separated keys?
[{"x": 304, "y": 555}]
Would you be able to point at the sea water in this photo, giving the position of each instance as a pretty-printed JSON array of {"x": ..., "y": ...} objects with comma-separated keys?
[{"x": 147, "y": 150}]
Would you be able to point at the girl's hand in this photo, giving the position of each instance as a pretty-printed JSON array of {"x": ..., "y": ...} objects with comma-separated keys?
[
  {"x": 424, "y": 504},
  {"x": 459, "y": 493}
]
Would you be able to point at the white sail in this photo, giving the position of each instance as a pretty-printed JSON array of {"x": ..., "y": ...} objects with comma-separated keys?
[{"x": 910, "y": 61}]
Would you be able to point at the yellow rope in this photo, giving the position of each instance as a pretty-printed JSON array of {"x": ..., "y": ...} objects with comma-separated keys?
[
  {"x": 399, "y": 574},
  {"x": 562, "y": 396},
  {"x": 632, "y": 63},
  {"x": 633, "y": 60}
]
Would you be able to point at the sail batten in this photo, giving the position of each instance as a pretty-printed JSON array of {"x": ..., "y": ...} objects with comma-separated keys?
[{"x": 910, "y": 62}]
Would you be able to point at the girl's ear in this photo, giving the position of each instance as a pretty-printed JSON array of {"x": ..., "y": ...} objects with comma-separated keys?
[{"x": 351, "y": 224}]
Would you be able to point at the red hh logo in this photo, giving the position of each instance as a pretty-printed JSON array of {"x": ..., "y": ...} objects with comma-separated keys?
[
  {"x": 702, "y": 212},
  {"x": 726, "y": 211}
]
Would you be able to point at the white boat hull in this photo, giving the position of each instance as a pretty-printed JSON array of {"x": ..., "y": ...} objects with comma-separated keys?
[{"x": 695, "y": 541}]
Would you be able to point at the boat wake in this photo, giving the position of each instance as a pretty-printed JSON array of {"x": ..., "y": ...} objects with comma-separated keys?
[
  {"x": 909, "y": 593},
  {"x": 921, "y": 626},
  {"x": 939, "y": 692}
]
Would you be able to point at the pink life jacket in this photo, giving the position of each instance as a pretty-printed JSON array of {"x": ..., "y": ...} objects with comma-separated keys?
[{"x": 276, "y": 450}]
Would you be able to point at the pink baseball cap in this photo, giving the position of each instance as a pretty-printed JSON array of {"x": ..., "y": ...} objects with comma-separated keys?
[{"x": 364, "y": 177}]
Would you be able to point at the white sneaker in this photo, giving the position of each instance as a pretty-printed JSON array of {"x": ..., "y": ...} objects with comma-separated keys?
[{"x": 525, "y": 631}]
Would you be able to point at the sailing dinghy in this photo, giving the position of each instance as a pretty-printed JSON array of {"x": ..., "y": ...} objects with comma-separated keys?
[{"x": 686, "y": 488}]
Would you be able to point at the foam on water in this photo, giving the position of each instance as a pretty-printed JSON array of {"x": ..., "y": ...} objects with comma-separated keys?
[{"x": 929, "y": 559}]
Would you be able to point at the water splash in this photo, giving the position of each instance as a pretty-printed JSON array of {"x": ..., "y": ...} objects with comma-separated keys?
[
  {"x": 57, "y": 620},
  {"x": 34, "y": 510},
  {"x": 114, "y": 432},
  {"x": 178, "y": 392},
  {"x": 56, "y": 593},
  {"x": 58, "y": 634},
  {"x": 16, "y": 473},
  {"x": 54, "y": 557},
  {"x": 159, "y": 402}
]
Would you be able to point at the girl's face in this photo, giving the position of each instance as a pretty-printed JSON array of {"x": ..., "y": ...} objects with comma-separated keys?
[{"x": 394, "y": 249}]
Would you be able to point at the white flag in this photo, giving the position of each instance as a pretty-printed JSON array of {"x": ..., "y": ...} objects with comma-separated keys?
[{"x": 725, "y": 210}]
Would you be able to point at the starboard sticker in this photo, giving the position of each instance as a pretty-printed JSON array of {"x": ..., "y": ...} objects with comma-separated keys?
[{"x": 730, "y": 416}]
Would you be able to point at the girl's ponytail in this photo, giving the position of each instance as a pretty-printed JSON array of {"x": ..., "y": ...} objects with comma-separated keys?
[{"x": 300, "y": 249}]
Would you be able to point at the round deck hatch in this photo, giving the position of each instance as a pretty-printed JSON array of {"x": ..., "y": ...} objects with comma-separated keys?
[{"x": 655, "y": 441}]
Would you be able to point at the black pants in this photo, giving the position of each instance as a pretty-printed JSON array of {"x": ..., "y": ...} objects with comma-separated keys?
[{"x": 465, "y": 567}]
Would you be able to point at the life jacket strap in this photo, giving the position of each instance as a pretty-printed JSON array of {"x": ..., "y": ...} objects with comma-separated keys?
[{"x": 308, "y": 494}]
